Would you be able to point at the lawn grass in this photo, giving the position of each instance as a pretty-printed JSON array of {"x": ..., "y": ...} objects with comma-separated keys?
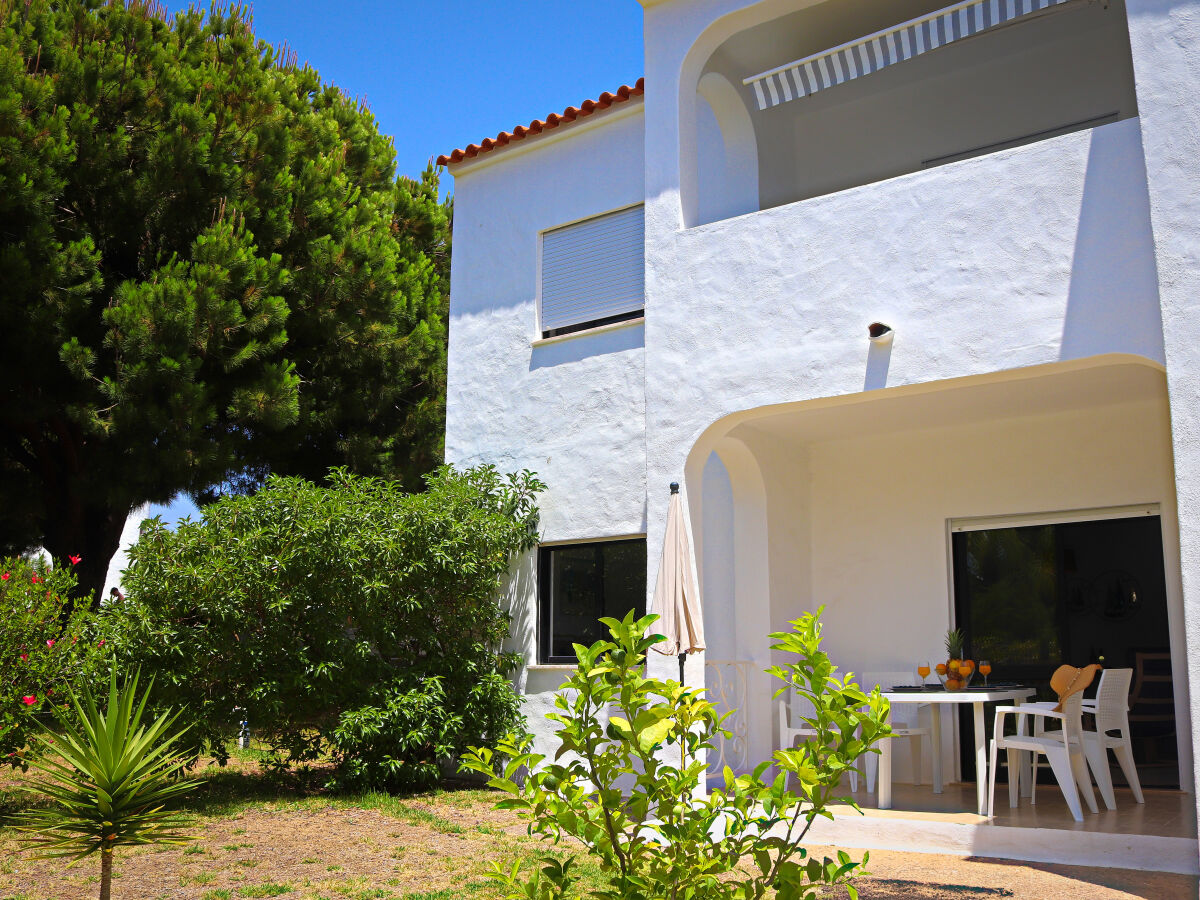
[{"x": 259, "y": 832}]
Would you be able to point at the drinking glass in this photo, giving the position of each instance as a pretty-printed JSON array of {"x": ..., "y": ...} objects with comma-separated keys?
[
  {"x": 923, "y": 671},
  {"x": 985, "y": 669}
]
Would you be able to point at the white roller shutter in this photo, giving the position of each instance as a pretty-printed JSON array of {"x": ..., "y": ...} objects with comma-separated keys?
[{"x": 593, "y": 270}]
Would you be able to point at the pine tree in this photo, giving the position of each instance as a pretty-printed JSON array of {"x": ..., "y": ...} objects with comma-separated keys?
[{"x": 208, "y": 271}]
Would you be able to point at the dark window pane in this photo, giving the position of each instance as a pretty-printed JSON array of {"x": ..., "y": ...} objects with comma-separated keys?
[
  {"x": 1011, "y": 586},
  {"x": 577, "y": 599},
  {"x": 579, "y": 584}
]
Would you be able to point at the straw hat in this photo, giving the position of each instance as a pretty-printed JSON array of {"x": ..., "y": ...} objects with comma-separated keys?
[{"x": 1068, "y": 680}]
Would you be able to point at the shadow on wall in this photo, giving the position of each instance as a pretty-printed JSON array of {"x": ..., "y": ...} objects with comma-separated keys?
[
  {"x": 717, "y": 563},
  {"x": 518, "y": 598},
  {"x": 1113, "y": 302},
  {"x": 570, "y": 350},
  {"x": 879, "y": 358}
]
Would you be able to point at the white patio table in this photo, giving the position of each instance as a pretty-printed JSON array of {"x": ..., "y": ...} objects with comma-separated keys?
[{"x": 942, "y": 698}]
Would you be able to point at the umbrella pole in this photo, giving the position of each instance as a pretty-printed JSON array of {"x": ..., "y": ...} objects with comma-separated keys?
[{"x": 682, "y": 657}]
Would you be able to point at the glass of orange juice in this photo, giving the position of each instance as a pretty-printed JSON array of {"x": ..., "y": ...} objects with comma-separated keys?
[
  {"x": 923, "y": 671},
  {"x": 985, "y": 669}
]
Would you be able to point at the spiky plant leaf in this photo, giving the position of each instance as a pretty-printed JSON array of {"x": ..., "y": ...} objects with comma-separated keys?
[
  {"x": 955, "y": 640},
  {"x": 110, "y": 778}
]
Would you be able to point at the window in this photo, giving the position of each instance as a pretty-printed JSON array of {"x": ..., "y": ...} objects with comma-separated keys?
[
  {"x": 593, "y": 272},
  {"x": 579, "y": 583}
]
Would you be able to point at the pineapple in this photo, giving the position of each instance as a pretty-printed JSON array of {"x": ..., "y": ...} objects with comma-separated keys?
[{"x": 955, "y": 639}]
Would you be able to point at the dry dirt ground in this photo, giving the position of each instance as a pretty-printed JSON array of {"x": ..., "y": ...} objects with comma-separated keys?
[{"x": 258, "y": 836}]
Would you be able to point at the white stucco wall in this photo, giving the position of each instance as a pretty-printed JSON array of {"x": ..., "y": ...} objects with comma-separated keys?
[
  {"x": 1056, "y": 251},
  {"x": 1015, "y": 259},
  {"x": 129, "y": 536},
  {"x": 1165, "y": 36},
  {"x": 1019, "y": 258},
  {"x": 571, "y": 410}
]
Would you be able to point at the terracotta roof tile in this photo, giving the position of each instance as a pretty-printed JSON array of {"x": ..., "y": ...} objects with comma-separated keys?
[{"x": 537, "y": 126}]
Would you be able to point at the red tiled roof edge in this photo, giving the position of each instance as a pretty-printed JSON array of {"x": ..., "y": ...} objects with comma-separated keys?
[{"x": 537, "y": 126}]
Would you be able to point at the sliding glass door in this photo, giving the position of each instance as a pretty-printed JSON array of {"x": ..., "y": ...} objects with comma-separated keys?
[{"x": 1033, "y": 597}]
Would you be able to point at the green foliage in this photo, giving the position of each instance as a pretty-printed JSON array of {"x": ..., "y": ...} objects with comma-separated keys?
[
  {"x": 45, "y": 647},
  {"x": 352, "y": 617},
  {"x": 110, "y": 780},
  {"x": 208, "y": 271},
  {"x": 628, "y": 780},
  {"x": 1014, "y": 595}
]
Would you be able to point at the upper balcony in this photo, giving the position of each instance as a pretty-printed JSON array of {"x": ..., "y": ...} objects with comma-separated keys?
[{"x": 842, "y": 94}]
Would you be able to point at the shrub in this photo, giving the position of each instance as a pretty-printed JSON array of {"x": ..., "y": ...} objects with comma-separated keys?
[
  {"x": 662, "y": 837},
  {"x": 352, "y": 618},
  {"x": 110, "y": 780},
  {"x": 46, "y": 647}
]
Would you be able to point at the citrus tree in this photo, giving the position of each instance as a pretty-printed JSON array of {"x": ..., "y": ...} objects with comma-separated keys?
[{"x": 628, "y": 782}]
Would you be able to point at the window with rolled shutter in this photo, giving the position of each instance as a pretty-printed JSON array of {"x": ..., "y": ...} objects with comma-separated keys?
[{"x": 593, "y": 272}]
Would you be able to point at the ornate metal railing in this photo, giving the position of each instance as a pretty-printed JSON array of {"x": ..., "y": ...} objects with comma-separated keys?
[{"x": 726, "y": 681}]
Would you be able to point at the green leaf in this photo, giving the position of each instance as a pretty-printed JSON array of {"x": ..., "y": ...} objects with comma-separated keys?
[{"x": 112, "y": 776}]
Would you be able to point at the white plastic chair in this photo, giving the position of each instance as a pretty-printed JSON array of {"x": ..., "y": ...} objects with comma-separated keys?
[
  {"x": 1110, "y": 707},
  {"x": 788, "y": 735},
  {"x": 901, "y": 728},
  {"x": 1063, "y": 749}
]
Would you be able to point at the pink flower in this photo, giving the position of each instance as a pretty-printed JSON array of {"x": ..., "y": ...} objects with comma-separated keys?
[
  {"x": 29, "y": 701},
  {"x": 74, "y": 560},
  {"x": 101, "y": 644},
  {"x": 24, "y": 656},
  {"x": 36, "y": 580},
  {"x": 50, "y": 644},
  {"x": 4, "y": 577}
]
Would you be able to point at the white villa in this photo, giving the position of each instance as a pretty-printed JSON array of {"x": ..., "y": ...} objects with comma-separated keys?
[{"x": 900, "y": 293}]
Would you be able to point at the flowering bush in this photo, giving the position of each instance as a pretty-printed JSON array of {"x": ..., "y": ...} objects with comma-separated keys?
[
  {"x": 46, "y": 648},
  {"x": 352, "y": 618}
]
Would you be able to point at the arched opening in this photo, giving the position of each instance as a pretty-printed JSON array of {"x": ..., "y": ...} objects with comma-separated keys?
[
  {"x": 851, "y": 503},
  {"x": 727, "y": 152},
  {"x": 736, "y": 572},
  {"x": 771, "y": 114}
]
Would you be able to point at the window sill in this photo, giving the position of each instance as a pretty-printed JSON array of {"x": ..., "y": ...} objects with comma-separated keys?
[
  {"x": 587, "y": 332},
  {"x": 551, "y": 667}
]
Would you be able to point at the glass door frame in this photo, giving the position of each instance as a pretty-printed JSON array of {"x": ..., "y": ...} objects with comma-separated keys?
[{"x": 1169, "y": 526}]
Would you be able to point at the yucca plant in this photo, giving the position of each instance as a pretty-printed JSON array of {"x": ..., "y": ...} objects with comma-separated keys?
[{"x": 109, "y": 778}]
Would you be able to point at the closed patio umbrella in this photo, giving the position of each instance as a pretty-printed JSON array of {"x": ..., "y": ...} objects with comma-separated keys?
[{"x": 676, "y": 598}]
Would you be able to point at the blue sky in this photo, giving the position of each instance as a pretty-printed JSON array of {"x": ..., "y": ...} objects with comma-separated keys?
[{"x": 443, "y": 75}]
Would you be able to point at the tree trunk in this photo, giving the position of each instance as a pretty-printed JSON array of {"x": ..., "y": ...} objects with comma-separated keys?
[
  {"x": 94, "y": 535},
  {"x": 105, "y": 873}
]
